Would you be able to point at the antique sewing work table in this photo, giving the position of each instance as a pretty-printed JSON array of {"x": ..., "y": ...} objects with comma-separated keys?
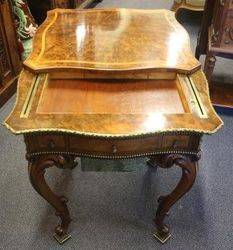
[{"x": 112, "y": 84}]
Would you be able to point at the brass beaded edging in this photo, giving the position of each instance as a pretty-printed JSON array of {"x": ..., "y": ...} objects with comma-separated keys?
[
  {"x": 123, "y": 137},
  {"x": 87, "y": 155},
  {"x": 117, "y": 136}
]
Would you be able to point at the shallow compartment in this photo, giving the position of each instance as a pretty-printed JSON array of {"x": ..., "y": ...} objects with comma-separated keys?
[{"x": 67, "y": 96}]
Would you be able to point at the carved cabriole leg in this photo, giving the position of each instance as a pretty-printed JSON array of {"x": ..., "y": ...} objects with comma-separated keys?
[
  {"x": 188, "y": 166},
  {"x": 37, "y": 167},
  {"x": 209, "y": 67}
]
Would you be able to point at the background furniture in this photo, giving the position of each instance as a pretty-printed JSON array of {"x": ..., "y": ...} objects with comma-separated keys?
[
  {"x": 196, "y": 5},
  {"x": 10, "y": 64},
  {"x": 154, "y": 106},
  {"x": 25, "y": 25},
  {"x": 216, "y": 39},
  {"x": 203, "y": 33},
  {"x": 82, "y": 4},
  {"x": 39, "y": 8}
]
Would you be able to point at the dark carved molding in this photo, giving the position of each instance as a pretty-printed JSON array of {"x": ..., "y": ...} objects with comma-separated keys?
[
  {"x": 65, "y": 4},
  {"x": 3, "y": 54},
  {"x": 228, "y": 35}
]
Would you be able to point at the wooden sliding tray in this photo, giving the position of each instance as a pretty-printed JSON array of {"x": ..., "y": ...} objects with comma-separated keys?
[
  {"x": 110, "y": 107},
  {"x": 110, "y": 84}
]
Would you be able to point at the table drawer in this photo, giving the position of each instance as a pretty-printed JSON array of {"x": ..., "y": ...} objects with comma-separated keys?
[
  {"x": 46, "y": 143},
  {"x": 114, "y": 147},
  {"x": 175, "y": 141},
  {"x": 88, "y": 146}
]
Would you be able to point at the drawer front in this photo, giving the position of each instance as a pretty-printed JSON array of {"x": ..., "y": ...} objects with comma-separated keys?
[
  {"x": 46, "y": 143},
  {"x": 51, "y": 142},
  {"x": 111, "y": 147},
  {"x": 97, "y": 147},
  {"x": 175, "y": 142}
]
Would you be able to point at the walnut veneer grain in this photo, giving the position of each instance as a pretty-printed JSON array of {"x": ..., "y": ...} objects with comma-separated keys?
[{"x": 113, "y": 40}]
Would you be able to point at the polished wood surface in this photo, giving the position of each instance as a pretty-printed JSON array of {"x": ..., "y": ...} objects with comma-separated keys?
[
  {"x": 100, "y": 97},
  {"x": 113, "y": 40},
  {"x": 110, "y": 112},
  {"x": 10, "y": 63}
]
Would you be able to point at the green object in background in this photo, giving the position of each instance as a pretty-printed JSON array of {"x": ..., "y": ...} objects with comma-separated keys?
[
  {"x": 129, "y": 165},
  {"x": 26, "y": 26},
  {"x": 27, "y": 45}
]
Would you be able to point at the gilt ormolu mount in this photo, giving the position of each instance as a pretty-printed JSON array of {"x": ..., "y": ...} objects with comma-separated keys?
[{"x": 114, "y": 89}]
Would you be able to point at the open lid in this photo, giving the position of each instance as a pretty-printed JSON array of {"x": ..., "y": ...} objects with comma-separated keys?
[{"x": 112, "y": 40}]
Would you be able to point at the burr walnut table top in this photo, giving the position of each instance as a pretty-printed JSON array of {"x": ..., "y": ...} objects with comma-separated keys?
[
  {"x": 137, "y": 85},
  {"x": 113, "y": 40}
]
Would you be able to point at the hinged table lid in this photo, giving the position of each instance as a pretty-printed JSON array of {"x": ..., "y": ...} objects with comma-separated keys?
[{"x": 112, "y": 40}]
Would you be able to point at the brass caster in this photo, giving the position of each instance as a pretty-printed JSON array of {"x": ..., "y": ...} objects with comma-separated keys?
[
  {"x": 162, "y": 237},
  {"x": 62, "y": 239}
]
